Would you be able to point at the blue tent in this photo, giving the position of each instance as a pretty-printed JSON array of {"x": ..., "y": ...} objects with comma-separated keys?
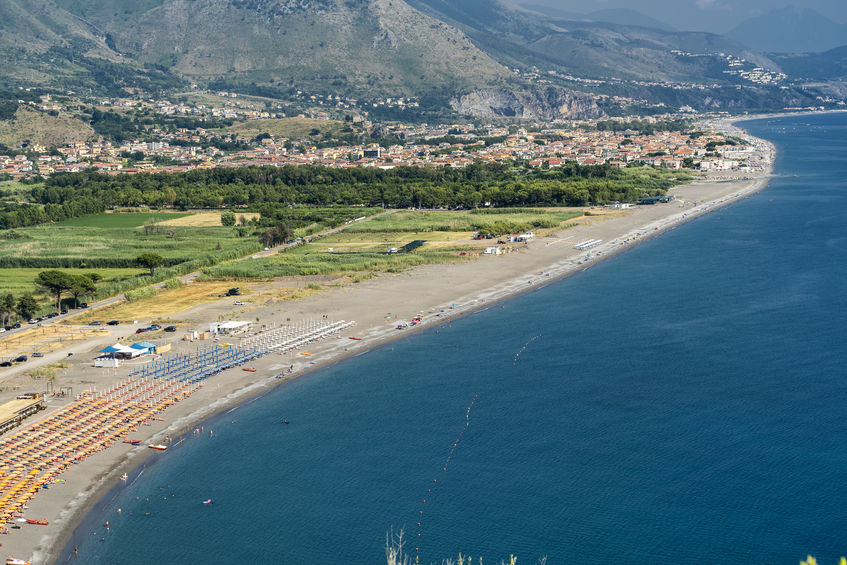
[{"x": 144, "y": 346}]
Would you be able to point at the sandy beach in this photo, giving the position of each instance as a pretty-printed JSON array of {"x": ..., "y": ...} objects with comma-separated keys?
[{"x": 436, "y": 292}]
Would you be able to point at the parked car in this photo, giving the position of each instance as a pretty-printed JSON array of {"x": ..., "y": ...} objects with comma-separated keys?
[
  {"x": 21, "y": 359},
  {"x": 7, "y": 328},
  {"x": 64, "y": 310},
  {"x": 37, "y": 354},
  {"x": 16, "y": 326},
  {"x": 154, "y": 327},
  {"x": 233, "y": 292},
  {"x": 3, "y": 330},
  {"x": 240, "y": 303},
  {"x": 6, "y": 364},
  {"x": 170, "y": 329},
  {"x": 83, "y": 304},
  {"x": 52, "y": 314},
  {"x": 112, "y": 323},
  {"x": 142, "y": 330},
  {"x": 95, "y": 323},
  {"x": 34, "y": 320}
]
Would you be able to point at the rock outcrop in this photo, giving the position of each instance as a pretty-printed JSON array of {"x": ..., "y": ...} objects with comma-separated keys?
[{"x": 526, "y": 104}]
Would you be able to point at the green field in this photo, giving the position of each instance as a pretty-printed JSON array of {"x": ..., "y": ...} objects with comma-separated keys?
[
  {"x": 114, "y": 243},
  {"x": 108, "y": 244},
  {"x": 315, "y": 260},
  {"x": 417, "y": 221},
  {"x": 121, "y": 220},
  {"x": 362, "y": 247},
  {"x": 19, "y": 281},
  {"x": 12, "y": 188}
]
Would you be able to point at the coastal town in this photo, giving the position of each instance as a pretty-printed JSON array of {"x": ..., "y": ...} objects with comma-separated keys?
[{"x": 451, "y": 145}]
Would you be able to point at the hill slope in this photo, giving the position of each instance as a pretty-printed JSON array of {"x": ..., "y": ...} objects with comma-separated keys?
[
  {"x": 830, "y": 65},
  {"x": 381, "y": 46},
  {"x": 790, "y": 30},
  {"x": 587, "y": 48}
]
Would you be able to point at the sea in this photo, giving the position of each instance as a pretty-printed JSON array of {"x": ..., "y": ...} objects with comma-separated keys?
[{"x": 684, "y": 402}]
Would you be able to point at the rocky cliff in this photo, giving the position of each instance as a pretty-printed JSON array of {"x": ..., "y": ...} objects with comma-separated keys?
[{"x": 533, "y": 103}]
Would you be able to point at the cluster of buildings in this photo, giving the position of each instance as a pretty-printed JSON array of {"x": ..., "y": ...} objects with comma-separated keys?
[{"x": 545, "y": 148}]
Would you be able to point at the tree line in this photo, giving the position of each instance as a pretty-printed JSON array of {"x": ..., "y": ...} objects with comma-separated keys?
[
  {"x": 18, "y": 215},
  {"x": 499, "y": 184}
]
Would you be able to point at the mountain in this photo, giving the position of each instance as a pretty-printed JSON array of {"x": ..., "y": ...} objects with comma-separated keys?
[
  {"x": 623, "y": 16},
  {"x": 355, "y": 46},
  {"x": 830, "y": 65},
  {"x": 790, "y": 30},
  {"x": 486, "y": 58},
  {"x": 40, "y": 43},
  {"x": 521, "y": 38},
  {"x": 629, "y": 17}
]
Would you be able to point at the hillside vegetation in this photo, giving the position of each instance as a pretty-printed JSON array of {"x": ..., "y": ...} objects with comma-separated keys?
[
  {"x": 350, "y": 45},
  {"x": 39, "y": 128}
]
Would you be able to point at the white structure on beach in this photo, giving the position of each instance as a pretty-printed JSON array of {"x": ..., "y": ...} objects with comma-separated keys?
[{"x": 228, "y": 328}]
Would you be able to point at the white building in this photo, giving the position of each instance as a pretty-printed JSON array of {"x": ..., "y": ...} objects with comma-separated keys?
[{"x": 228, "y": 328}]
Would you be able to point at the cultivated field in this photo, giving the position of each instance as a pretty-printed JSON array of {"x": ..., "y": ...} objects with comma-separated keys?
[
  {"x": 123, "y": 219},
  {"x": 108, "y": 244},
  {"x": 463, "y": 221},
  {"x": 440, "y": 236},
  {"x": 111, "y": 239},
  {"x": 204, "y": 219}
]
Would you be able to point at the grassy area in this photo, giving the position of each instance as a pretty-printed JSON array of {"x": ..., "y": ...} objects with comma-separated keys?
[
  {"x": 161, "y": 304},
  {"x": 109, "y": 241},
  {"x": 419, "y": 221},
  {"x": 20, "y": 280},
  {"x": 315, "y": 260},
  {"x": 124, "y": 219},
  {"x": 12, "y": 188},
  {"x": 345, "y": 238},
  {"x": 108, "y": 244},
  {"x": 362, "y": 247},
  {"x": 293, "y": 128},
  {"x": 43, "y": 129}
]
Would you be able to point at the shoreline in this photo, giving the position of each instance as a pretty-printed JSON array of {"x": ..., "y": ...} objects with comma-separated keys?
[{"x": 97, "y": 477}]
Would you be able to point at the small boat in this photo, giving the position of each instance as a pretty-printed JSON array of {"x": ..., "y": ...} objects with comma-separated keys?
[
  {"x": 356, "y": 338},
  {"x": 285, "y": 421},
  {"x": 124, "y": 477},
  {"x": 208, "y": 501},
  {"x": 249, "y": 369},
  {"x": 158, "y": 446},
  {"x": 38, "y": 522},
  {"x": 132, "y": 441}
]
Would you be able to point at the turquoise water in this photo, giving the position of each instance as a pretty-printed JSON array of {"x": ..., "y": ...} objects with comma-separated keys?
[{"x": 684, "y": 403}]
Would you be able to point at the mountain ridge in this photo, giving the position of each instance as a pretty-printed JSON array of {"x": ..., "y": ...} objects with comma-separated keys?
[{"x": 790, "y": 30}]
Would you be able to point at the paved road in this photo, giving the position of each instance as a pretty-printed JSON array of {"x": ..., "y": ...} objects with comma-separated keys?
[{"x": 190, "y": 276}]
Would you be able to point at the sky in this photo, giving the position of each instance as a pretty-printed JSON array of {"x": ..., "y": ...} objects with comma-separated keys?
[{"x": 716, "y": 16}]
